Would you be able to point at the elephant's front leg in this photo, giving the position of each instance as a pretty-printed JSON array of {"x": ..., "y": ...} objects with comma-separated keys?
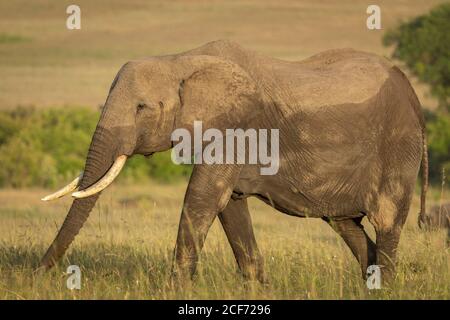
[
  {"x": 237, "y": 224},
  {"x": 208, "y": 193}
]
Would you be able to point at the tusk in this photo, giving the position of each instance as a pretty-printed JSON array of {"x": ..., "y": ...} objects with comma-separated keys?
[
  {"x": 107, "y": 179},
  {"x": 63, "y": 191}
]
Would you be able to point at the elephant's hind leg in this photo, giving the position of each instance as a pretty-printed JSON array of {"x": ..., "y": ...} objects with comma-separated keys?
[
  {"x": 362, "y": 247},
  {"x": 237, "y": 224},
  {"x": 388, "y": 222}
]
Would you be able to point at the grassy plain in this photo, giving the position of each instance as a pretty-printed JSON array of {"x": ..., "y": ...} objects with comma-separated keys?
[{"x": 125, "y": 252}]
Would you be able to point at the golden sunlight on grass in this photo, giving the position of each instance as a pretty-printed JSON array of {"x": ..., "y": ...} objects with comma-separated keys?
[{"x": 125, "y": 252}]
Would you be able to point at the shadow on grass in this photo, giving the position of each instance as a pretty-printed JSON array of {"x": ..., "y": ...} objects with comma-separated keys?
[
  {"x": 111, "y": 272},
  {"x": 98, "y": 258}
]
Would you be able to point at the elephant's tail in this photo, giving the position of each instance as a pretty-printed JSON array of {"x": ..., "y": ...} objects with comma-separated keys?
[{"x": 424, "y": 168}]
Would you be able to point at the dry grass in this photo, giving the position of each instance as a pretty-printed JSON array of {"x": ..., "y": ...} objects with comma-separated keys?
[
  {"x": 125, "y": 252},
  {"x": 44, "y": 64}
]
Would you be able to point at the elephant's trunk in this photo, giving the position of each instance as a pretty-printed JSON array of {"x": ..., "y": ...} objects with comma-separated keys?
[{"x": 99, "y": 159}]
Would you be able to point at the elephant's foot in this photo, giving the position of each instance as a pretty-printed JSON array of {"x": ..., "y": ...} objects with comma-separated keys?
[{"x": 253, "y": 270}]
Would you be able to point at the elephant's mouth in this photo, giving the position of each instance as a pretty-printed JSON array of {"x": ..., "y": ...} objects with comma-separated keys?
[{"x": 148, "y": 154}]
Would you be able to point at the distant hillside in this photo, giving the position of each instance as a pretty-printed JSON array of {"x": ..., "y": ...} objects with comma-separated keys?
[{"x": 44, "y": 64}]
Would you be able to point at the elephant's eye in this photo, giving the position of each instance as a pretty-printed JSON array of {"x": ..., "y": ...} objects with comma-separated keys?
[{"x": 141, "y": 106}]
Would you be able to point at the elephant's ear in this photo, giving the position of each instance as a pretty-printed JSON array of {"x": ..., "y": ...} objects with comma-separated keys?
[{"x": 219, "y": 93}]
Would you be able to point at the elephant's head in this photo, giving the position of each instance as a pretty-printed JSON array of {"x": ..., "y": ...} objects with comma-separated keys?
[{"x": 149, "y": 99}]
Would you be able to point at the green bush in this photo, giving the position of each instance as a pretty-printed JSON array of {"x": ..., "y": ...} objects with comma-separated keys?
[
  {"x": 424, "y": 45},
  {"x": 438, "y": 128},
  {"x": 49, "y": 147},
  {"x": 25, "y": 164},
  {"x": 8, "y": 128}
]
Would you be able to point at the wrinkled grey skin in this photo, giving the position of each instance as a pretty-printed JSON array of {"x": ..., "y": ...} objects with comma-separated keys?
[{"x": 351, "y": 144}]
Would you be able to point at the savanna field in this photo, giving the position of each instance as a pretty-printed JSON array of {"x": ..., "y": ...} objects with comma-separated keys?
[
  {"x": 125, "y": 252},
  {"x": 52, "y": 83}
]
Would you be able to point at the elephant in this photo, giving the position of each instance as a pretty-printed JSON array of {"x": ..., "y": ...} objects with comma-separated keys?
[
  {"x": 351, "y": 145},
  {"x": 438, "y": 217}
]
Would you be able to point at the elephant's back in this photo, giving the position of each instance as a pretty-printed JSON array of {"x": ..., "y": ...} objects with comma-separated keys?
[{"x": 333, "y": 77}]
